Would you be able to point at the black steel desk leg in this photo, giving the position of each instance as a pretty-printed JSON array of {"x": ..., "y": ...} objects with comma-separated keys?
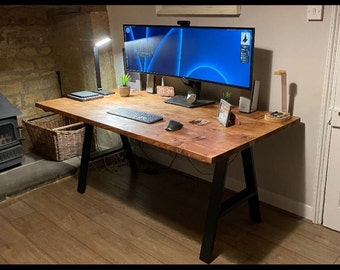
[
  {"x": 213, "y": 211},
  {"x": 129, "y": 154},
  {"x": 85, "y": 158},
  {"x": 250, "y": 179}
]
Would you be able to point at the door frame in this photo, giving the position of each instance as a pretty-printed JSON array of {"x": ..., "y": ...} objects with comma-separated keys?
[{"x": 332, "y": 73}]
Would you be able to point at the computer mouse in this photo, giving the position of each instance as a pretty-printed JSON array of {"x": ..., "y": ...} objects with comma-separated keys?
[{"x": 174, "y": 125}]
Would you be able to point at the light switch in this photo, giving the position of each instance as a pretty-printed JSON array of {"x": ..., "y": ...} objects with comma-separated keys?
[{"x": 315, "y": 13}]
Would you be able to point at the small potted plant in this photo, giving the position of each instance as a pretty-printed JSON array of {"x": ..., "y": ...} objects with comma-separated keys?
[
  {"x": 124, "y": 88},
  {"x": 227, "y": 96}
]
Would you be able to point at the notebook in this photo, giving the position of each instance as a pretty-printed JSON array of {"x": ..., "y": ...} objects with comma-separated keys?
[{"x": 84, "y": 95}]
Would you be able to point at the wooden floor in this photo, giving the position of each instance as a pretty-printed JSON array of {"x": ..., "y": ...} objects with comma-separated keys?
[{"x": 148, "y": 219}]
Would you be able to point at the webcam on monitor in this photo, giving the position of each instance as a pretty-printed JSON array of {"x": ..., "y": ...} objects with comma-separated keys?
[{"x": 184, "y": 23}]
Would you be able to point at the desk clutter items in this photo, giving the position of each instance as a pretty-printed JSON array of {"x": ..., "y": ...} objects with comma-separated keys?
[
  {"x": 277, "y": 116},
  {"x": 225, "y": 116},
  {"x": 249, "y": 105},
  {"x": 84, "y": 95},
  {"x": 165, "y": 91},
  {"x": 56, "y": 137},
  {"x": 223, "y": 113},
  {"x": 233, "y": 120},
  {"x": 283, "y": 115},
  {"x": 199, "y": 122}
]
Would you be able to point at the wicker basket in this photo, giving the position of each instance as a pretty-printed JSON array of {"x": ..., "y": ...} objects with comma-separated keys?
[{"x": 56, "y": 137}]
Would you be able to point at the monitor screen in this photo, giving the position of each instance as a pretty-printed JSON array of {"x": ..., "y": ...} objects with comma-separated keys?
[{"x": 222, "y": 55}]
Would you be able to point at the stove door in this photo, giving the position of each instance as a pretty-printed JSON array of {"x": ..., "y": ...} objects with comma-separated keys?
[
  {"x": 11, "y": 152},
  {"x": 9, "y": 133}
]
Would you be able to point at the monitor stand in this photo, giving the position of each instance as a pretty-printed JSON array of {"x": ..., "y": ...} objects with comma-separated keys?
[
  {"x": 103, "y": 92},
  {"x": 182, "y": 101}
]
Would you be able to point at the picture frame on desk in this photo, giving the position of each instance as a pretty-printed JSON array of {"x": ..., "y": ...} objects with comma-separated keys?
[{"x": 223, "y": 113}]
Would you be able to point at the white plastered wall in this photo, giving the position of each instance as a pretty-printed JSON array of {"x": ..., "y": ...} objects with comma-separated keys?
[{"x": 285, "y": 39}]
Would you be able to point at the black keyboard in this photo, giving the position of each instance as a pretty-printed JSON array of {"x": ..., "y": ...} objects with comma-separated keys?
[{"x": 141, "y": 116}]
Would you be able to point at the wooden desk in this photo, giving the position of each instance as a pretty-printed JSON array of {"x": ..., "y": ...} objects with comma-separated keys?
[{"x": 211, "y": 143}]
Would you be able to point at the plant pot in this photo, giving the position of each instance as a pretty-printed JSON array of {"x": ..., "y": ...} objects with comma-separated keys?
[{"x": 124, "y": 91}]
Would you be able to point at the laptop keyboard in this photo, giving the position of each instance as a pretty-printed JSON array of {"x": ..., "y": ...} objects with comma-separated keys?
[{"x": 137, "y": 115}]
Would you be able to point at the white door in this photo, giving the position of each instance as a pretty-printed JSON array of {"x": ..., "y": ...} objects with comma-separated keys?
[
  {"x": 331, "y": 215},
  {"x": 327, "y": 196}
]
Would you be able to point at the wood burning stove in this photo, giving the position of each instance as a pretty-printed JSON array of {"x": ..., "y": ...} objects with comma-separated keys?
[{"x": 11, "y": 152}]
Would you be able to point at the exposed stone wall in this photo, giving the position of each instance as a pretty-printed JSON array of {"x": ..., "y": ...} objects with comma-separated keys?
[
  {"x": 27, "y": 63},
  {"x": 37, "y": 44},
  {"x": 75, "y": 35},
  {"x": 101, "y": 29},
  {"x": 73, "y": 50}
]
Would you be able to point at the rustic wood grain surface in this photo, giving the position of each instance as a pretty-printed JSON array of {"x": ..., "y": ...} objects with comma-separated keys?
[{"x": 207, "y": 143}]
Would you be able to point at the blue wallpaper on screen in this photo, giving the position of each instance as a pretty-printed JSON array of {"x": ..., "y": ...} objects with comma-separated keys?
[{"x": 218, "y": 55}]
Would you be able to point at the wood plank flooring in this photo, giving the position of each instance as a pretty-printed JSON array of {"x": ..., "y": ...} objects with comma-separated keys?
[{"x": 148, "y": 219}]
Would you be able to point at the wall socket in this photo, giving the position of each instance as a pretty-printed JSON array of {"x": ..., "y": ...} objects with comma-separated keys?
[{"x": 315, "y": 13}]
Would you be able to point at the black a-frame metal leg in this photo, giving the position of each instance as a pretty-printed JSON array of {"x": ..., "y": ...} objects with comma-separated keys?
[
  {"x": 213, "y": 211},
  {"x": 129, "y": 154},
  {"x": 85, "y": 158},
  {"x": 251, "y": 184},
  {"x": 217, "y": 208}
]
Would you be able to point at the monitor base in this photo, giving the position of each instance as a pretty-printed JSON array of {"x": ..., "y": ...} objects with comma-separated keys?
[{"x": 182, "y": 101}]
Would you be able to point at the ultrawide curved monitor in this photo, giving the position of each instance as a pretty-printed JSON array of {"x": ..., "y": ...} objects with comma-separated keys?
[{"x": 222, "y": 55}]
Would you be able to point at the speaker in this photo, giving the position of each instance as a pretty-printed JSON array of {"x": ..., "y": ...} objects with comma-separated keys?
[
  {"x": 135, "y": 82},
  {"x": 151, "y": 84},
  {"x": 248, "y": 105}
]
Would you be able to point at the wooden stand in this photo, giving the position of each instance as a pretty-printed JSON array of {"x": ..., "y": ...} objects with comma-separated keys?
[{"x": 283, "y": 115}]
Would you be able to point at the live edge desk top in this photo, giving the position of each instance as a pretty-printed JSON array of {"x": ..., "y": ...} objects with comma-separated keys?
[
  {"x": 207, "y": 143},
  {"x": 210, "y": 143}
]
